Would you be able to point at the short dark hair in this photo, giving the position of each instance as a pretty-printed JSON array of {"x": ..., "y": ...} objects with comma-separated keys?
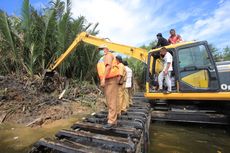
[
  {"x": 159, "y": 35},
  {"x": 125, "y": 63},
  {"x": 119, "y": 58},
  {"x": 172, "y": 30},
  {"x": 163, "y": 48}
]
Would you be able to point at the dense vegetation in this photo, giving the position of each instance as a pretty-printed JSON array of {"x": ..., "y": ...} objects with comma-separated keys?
[
  {"x": 223, "y": 55},
  {"x": 29, "y": 43}
]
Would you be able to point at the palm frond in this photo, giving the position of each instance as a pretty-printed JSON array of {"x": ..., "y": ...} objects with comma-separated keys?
[
  {"x": 8, "y": 43},
  {"x": 26, "y": 22},
  {"x": 68, "y": 6},
  {"x": 6, "y": 32}
]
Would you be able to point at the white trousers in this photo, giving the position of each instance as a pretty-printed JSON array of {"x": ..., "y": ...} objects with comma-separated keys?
[{"x": 167, "y": 78}]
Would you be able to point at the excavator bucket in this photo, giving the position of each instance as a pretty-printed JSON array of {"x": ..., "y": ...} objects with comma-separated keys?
[
  {"x": 49, "y": 73},
  {"x": 48, "y": 84}
]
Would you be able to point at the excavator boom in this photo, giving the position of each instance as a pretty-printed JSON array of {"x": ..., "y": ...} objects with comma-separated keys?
[{"x": 138, "y": 53}]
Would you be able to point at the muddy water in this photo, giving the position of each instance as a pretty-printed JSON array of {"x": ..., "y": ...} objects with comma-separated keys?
[
  {"x": 19, "y": 139},
  {"x": 165, "y": 138},
  {"x": 187, "y": 138}
]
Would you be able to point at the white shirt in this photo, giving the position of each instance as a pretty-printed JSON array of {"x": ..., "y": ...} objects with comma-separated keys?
[
  {"x": 168, "y": 59},
  {"x": 129, "y": 74}
]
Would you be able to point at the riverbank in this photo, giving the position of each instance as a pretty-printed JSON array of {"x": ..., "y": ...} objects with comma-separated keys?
[
  {"x": 28, "y": 114},
  {"x": 23, "y": 102},
  {"x": 19, "y": 138}
]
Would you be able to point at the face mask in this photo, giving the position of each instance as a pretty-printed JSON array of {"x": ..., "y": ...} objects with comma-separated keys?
[{"x": 101, "y": 52}]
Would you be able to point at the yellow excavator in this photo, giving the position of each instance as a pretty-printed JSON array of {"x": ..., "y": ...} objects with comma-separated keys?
[
  {"x": 200, "y": 87},
  {"x": 201, "y": 90},
  {"x": 195, "y": 75}
]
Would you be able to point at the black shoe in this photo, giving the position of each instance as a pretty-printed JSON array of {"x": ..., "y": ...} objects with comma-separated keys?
[
  {"x": 123, "y": 112},
  {"x": 160, "y": 90},
  {"x": 109, "y": 126},
  {"x": 167, "y": 92}
]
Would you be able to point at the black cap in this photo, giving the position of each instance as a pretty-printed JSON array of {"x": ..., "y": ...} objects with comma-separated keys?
[
  {"x": 125, "y": 63},
  {"x": 159, "y": 35}
]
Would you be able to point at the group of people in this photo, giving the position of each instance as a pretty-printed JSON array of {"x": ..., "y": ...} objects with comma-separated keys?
[
  {"x": 116, "y": 79},
  {"x": 167, "y": 59},
  {"x": 173, "y": 39}
]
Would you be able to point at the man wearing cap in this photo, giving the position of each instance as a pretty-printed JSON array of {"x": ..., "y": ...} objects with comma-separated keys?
[
  {"x": 161, "y": 41},
  {"x": 108, "y": 73},
  {"x": 121, "y": 89}
]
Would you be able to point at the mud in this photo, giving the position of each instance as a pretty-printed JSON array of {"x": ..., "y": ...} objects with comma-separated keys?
[{"x": 22, "y": 101}]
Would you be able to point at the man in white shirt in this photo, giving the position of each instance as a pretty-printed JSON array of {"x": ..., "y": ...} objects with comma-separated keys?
[
  {"x": 166, "y": 72},
  {"x": 128, "y": 85}
]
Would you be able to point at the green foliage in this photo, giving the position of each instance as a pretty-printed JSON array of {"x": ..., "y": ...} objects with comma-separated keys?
[
  {"x": 215, "y": 53},
  {"x": 10, "y": 48},
  {"x": 30, "y": 43},
  {"x": 218, "y": 55},
  {"x": 149, "y": 46},
  {"x": 226, "y": 53},
  {"x": 139, "y": 68},
  {"x": 139, "y": 71}
]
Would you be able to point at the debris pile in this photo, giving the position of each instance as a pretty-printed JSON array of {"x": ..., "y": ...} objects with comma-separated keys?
[{"x": 22, "y": 100}]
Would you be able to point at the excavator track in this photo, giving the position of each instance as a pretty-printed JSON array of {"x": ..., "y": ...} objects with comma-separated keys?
[
  {"x": 130, "y": 136},
  {"x": 204, "y": 112}
]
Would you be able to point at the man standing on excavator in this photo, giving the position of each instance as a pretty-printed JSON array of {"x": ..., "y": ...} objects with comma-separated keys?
[
  {"x": 122, "y": 107},
  {"x": 167, "y": 69},
  {"x": 161, "y": 41},
  {"x": 108, "y": 72},
  {"x": 128, "y": 85}
]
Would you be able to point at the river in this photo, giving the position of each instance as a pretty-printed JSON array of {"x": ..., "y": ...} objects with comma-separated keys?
[
  {"x": 165, "y": 137},
  {"x": 188, "y": 138},
  {"x": 16, "y": 138}
]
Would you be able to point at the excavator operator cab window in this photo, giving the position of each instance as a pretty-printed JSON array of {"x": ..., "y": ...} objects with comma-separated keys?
[
  {"x": 196, "y": 69},
  {"x": 194, "y": 56}
]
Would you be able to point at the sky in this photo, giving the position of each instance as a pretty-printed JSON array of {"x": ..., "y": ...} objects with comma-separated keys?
[{"x": 136, "y": 22}]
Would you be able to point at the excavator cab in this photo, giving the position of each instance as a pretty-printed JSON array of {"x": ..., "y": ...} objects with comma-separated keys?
[{"x": 194, "y": 71}]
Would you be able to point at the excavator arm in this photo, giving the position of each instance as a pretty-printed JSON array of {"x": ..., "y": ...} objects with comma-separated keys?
[{"x": 138, "y": 53}]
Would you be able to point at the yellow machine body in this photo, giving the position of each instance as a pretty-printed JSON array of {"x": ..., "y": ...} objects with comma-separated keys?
[{"x": 198, "y": 81}]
